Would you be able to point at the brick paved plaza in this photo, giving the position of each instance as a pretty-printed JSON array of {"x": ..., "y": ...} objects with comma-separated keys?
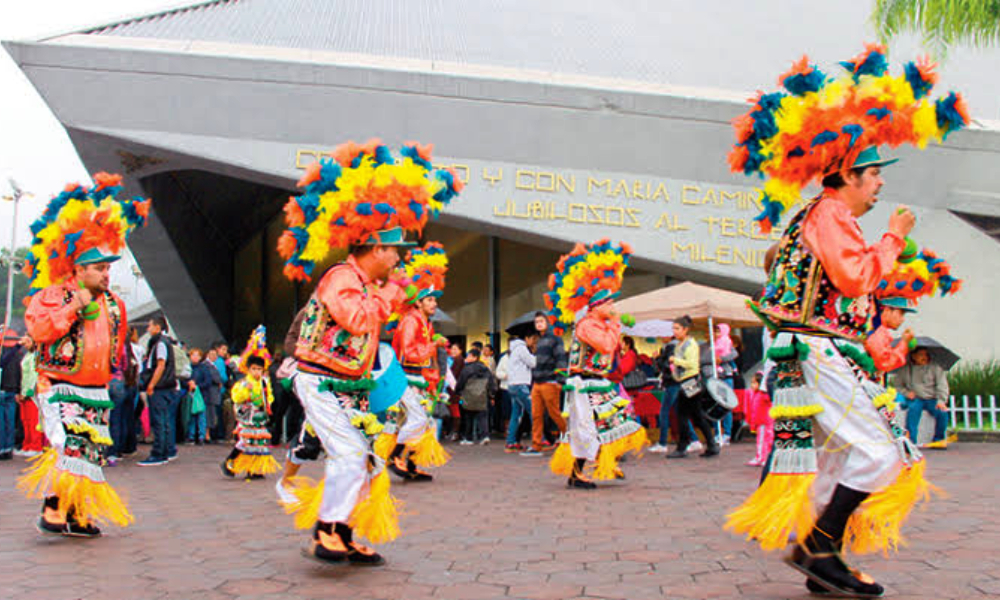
[{"x": 491, "y": 526}]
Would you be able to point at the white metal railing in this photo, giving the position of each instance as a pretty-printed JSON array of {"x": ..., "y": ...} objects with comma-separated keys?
[{"x": 977, "y": 412}]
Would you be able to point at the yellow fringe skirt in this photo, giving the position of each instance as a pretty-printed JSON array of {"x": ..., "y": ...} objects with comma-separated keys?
[
  {"x": 88, "y": 501},
  {"x": 375, "y": 516},
  {"x": 254, "y": 464},
  {"x": 606, "y": 466},
  {"x": 876, "y": 525},
  {"x": 427, "y": 451},
  {"x": 782, "y": 506}
]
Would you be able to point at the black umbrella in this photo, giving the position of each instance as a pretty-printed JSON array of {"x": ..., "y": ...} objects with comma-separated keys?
[
  {"x": 523, "y": 325},
  {"x": 940, "y": 354}
]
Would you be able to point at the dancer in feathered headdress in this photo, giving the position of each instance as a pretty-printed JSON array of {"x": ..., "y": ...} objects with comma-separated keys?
[
  {"x": 916, "y": 275},
  {"x": 410, "y": 437},
  {"x": 79, "y": 326},
  {"x": 367, "y": 200},
  {"x": 602, "y": 426},
  {"x": 819, "y": 300},
  {"x": 252, "y": 399},
  {"x": 820, "y": 125}
]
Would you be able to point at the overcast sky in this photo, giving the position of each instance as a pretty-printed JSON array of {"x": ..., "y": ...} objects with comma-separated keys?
[
  {"x": 35, "y": 149},
  {"x": 37, "y": 153}
]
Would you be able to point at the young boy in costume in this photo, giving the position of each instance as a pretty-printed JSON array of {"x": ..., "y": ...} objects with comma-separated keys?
[
  {"x": 368, "y": 200},
  {"x": 80, "y": 328},
  {"x": 410, "y": 433},
  {"x": 602, "y": 426},
  {"x": 861, "y": 473},
  {"x": 252, "y": 397}
]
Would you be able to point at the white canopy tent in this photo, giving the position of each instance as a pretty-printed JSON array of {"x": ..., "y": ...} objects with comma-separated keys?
[{"x": 702, "y": 303}]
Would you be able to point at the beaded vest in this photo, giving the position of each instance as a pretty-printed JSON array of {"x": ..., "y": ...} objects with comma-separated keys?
[
  {"x": 324, "y": 343},
  {"x": 65, "y": 355},
  {"x": 586, "y": 360},
  {"x": 799, "y": 295}
]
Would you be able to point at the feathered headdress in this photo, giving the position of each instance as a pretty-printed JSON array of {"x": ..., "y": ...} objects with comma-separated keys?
[
  {"x": 79, "y": 223},
  {"x": 425, "y": 268},
  {"x": 917, "y": 275},
  {"x": 588, "y": 273},
  {"x": 819, "y": 124},
  {"x": 362, "y": 190},
  {"x": 256, "y": 346}
]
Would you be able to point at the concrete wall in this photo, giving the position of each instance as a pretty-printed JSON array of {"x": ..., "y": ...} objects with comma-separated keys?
[{"x": 207, "y": 107}]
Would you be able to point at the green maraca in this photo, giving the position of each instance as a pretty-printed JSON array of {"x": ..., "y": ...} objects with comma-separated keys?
[
  {"x": 92, "y": 310},
  {"x": 910, "y": 250}
]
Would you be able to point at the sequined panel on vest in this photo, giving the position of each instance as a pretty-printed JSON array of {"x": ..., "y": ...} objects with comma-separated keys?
[
  {"x": 339, "y": 348},
  {"x": 799, "y": 292},
  {"x": 584, "y": 359}
]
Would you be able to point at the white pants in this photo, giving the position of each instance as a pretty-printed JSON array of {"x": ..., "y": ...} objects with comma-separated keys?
[
  {"x": 415, "y": 420},
  {"x": 582, "y": 431},
  {"x": 854, "y": 443},
  {"x": 52, "y": 421},
  {"x": 347, "y": 449}
]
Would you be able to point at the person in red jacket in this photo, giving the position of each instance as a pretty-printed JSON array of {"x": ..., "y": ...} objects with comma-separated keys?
[
  {"x": 365, "y": 200},
  {"x": 411, "y": 435},
  {"x": 602, "y": 426},
  {"x": 80, "y": 328},
  {"x": 842, "y": 474}
]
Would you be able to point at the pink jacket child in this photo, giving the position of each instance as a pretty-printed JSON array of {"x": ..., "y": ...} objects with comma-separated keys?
[{"x": 758, "y": 415}]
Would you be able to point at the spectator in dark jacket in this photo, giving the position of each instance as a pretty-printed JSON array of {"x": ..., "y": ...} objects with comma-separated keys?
[
  {"x": 546, "y": 389},
  {"x": 10, "y": 389},
  {"x": 476, "y": 386},
  {"x": 206, "y": 378}
]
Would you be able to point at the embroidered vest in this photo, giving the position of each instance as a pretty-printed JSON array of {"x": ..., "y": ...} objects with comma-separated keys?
[
  {"x": 65, "y": 355},
  {"x": 799, "y": 295},
  {"x": 586, "y": 360},
  {"x": 324, "y": 343}
]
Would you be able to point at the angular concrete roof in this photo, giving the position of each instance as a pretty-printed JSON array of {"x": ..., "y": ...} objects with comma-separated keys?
[{"x": 723, "y": 45}]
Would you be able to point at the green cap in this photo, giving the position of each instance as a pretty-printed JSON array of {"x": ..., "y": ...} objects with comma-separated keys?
[
  {"x": 94, "y": 256},
  {"x": 388, "y": 237},
  {"x": 601, "y": 297},
  {"x": 869, "y": 157},
  {"x": 428, "y": 293},
  {"x": 899, "y": 302}
]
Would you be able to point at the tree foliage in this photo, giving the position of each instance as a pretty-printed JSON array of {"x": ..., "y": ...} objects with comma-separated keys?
[{"x": 941, "y": 23}]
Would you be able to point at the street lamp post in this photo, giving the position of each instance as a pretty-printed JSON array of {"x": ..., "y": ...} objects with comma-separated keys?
[{"x": 15, "y": 197}]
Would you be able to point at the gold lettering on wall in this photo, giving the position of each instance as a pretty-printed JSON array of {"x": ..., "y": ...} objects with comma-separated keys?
[{"x": 615, "y": 202}]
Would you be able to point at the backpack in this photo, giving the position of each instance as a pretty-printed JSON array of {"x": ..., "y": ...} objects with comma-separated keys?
[
  {"x": 475, "y": 395},
  {"x": 182, "y": 363}
]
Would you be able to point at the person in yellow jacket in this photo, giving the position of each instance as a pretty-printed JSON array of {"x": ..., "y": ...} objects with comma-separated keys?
[{"x": 684, "y": 366}]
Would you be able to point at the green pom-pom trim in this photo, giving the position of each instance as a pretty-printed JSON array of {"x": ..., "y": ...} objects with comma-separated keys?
[
  {"x": 912, "y": 345},
  {"x": 591, "y": 389},
  {"x": 347, "y": 385},
  {"x": 628, "y": 320},
  {"x": 858, "y": 355},
  {"x": 78, "y": 400},
  {"x": 418, "y": 382},
  {"x": 795, "y": 350}
]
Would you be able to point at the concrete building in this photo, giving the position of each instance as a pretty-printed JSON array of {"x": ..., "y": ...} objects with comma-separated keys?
[{"x": 570, "y": 121}]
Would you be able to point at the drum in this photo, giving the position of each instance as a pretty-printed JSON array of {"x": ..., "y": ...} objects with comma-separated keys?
[
  {"x": 390, "y": 380},
  {"x": 719, "y": 400}
]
